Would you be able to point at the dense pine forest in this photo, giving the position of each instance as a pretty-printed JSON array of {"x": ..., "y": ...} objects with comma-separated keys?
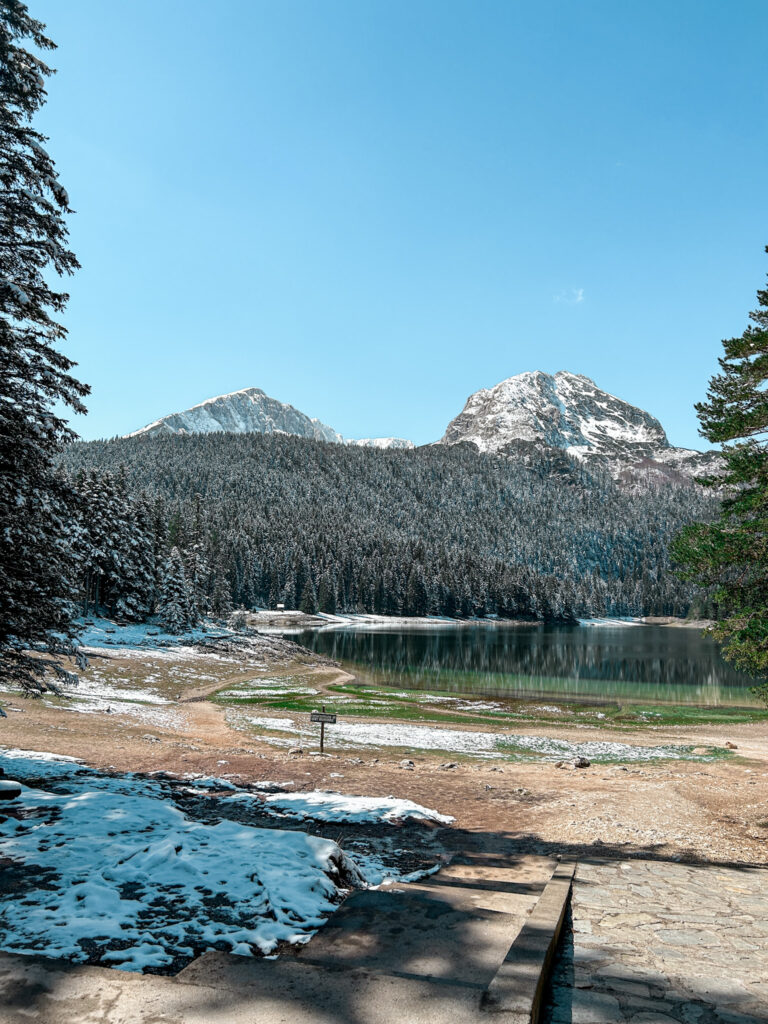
[{"x": 189, "y": 525}]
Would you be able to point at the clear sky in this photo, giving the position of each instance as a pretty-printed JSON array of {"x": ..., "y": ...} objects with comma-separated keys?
[{"x": 372, "y": 208}]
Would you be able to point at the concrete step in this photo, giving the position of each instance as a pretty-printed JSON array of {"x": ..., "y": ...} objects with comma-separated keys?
[
  {"x": 424, "y": 953},
  {"x": 228, "y": 990},
  {"x": 454, "y": 927}
]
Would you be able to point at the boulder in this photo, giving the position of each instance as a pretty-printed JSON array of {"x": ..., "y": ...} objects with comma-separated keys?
[{"x": 9, "y": 790}]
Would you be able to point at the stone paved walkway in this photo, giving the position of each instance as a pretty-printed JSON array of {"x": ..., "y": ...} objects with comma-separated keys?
[{"x": 662, "y": 943}]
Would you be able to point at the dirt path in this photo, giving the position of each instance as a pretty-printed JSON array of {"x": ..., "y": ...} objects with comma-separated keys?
[{"x": 691, "y": 810}]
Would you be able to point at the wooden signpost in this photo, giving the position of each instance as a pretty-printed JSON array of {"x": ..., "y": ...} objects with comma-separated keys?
[{"x": 324, "y": 719}]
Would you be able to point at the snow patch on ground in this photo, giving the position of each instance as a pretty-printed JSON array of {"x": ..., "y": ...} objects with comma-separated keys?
[
  {"x": 326, "y": 806},
  {"x": 97, "y": 632},
  {"x": 122, "y": 864},
  {"x": 268, "y": 687},
  {"x": 478, "y": 744},
  {"x": 249, "y": 692},
  {"x": 162, "y": 718},
  {"x": 598, "y": 750},
  {"x": 94, "y": 687}
]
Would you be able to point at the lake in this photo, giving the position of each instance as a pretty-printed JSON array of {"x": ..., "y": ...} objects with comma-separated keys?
[{"x": 601, "y": 662}]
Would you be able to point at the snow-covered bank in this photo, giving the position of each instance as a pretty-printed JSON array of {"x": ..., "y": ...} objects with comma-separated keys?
[
  {"x": 292, "y": 622},
  {"x": 98, "y": 632},
  {"x": 117, "y": 868},
  {"x": 461, "y": 741}
]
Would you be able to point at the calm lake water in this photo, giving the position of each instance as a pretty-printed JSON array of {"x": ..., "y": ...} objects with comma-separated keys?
[{"x": 597, "y": 662}]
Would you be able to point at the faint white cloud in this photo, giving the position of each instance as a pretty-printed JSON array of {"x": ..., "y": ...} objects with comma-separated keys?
[{"x": 570, "y": 296}]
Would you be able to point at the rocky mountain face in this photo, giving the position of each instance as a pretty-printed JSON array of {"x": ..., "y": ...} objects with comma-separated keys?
[
  {"x": 569, "y": 413},
  {"x": 253, "y": 411},
  {"x": 525, "y": 417},
  {"x": 241, "y": 412}
]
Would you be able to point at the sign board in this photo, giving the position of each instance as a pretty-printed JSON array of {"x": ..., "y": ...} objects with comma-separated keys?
[{"x": 321, "y": 716}]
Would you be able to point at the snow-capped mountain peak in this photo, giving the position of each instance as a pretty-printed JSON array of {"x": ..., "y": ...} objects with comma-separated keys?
[
  {"x": 241, "y": 412},
  {"x": 564, "y": 410},
  {"x": 567, "y": 411}
]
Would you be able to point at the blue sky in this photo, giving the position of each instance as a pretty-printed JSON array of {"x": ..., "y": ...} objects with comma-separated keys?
[{"x": 372, "y": 208}]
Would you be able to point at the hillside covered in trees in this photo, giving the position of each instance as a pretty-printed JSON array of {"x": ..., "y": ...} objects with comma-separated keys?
[{"x": 211, "y": 522}]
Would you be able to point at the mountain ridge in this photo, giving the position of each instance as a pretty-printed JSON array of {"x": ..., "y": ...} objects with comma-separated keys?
[{"x": 564, "y": 411}]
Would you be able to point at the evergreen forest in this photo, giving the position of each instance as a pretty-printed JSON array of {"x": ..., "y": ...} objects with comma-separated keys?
[{"x": 187, "y": 525}]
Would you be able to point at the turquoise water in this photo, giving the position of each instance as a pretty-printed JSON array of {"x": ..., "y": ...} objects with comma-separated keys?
[{"x": 595, "y": 662}]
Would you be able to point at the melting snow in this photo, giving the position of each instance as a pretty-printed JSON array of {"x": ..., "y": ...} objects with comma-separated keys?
[
  {"x": 121, "y": 861},
  {"x": 479, "y": 744},
  {"x": 98, "y": 632},
  {"x": 324, "y": 806}
]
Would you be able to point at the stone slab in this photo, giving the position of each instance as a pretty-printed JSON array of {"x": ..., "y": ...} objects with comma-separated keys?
[{"x": 416, "y": 932}]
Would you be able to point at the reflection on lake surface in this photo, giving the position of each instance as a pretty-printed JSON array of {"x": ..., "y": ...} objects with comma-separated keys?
[{"x": 608, "y": 662}]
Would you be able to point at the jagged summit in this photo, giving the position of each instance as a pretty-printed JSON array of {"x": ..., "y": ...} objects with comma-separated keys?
[
  {"x": 241, "y": 412},
  {"x": 251, "y": 410},
  {"x": 567, "y": 411}
]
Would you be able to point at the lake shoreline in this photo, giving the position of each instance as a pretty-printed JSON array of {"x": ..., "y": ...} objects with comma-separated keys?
[
  {"x": 616, "y": 662},
  {"x": 288, "y": 622}
]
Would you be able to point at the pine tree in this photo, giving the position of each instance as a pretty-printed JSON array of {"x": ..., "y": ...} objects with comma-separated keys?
[
  {"x": 416, "y": 592},
  {"x": 197, "y": 572},
  {"x": 730, "y": 555},
  {"x": 308, "y": 603},
  {"x": 221, "y": 598},
  {"x": 135, "y": 589},
  {"x": 326, "y": 595},
  {"x": 174, "y": 606},
  {"x": 38, "y": 565}
]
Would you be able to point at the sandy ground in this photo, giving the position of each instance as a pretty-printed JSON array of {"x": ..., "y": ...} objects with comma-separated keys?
[{"x": 713, "y": 811}]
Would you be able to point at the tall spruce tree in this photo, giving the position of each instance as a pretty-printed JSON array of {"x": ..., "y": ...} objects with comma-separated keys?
[
  {"x": 308, "y": 602},
  {"x": 175, "y": 605},
  {"x": 37, "y": 559},
  {"x": 730, "y": 555}
]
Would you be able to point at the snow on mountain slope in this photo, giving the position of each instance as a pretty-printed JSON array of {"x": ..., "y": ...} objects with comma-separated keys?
[
  {"x": 567, "y": 411},
  {"x": 381, "y": 442},
  {"x": 241, "y": 412}
]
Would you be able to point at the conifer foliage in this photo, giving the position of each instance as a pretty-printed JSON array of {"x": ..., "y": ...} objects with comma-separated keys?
[
  {"x": 730, "y": 555},
  {"x": 176, "y": 605},
  {"x": 115, "y": 547},
  {"x": 262, "y": 519},
  {"x": 37, "y": 558}
]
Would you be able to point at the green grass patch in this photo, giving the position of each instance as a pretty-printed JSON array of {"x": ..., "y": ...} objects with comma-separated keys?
[{"x": 358, "y": 700}]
